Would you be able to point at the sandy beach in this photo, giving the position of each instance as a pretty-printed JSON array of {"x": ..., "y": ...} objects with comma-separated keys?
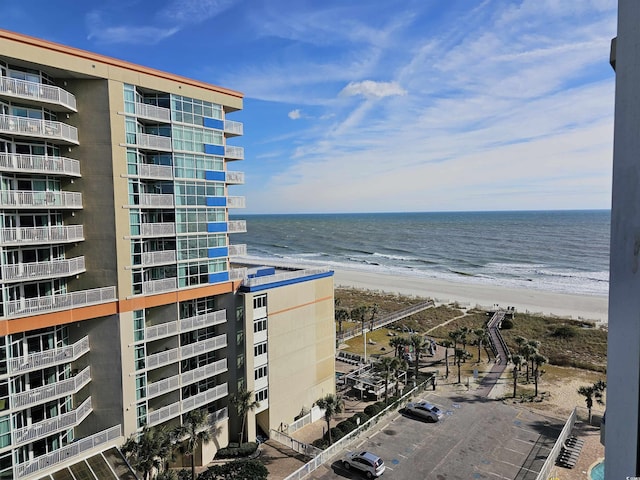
[{"x": 578, "y": 307}]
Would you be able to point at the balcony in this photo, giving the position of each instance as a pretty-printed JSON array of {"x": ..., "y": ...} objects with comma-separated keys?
[
  {"x": 41, "y": 270},
  {"x": 45, "y": 428},
  {"x": 42, "y": 235},
  {"x": 51, "y": 392},
  {"x": 185, "y": 325},
  {"x": 237, "y": 250},
  {"x": 158, "y": 229},
  {"x": 158, "y": 258},
  {"x": 39, "y": 92},
  {"x": 234, "y": 178},
  {"x": 149, "y": 170},
  {"x": 152, "y": 142},
  {"x": 173, "y": 410},
  {"x": 48, "y": 358},
  {"x": 170, "y": 384},
  {"x": 237, "y": 226},
  {"x": 233, "y": 153},
  {"x": 159, "y": 286},
  {"x": 13, "y": 162},
  {"x": 156, "y": 200},
  {"x": 38, "y": 199},
  {"x": 36, "y": 128},
  {"x": 238, "y": 273},
  {"x": 103, "y": 440},
  {"x": 285, "y": 276},
  {"x": 152, "y": 112},
  {"x": 235, "y": 202},
  {"x": 173, "y": 355},
  {"x": 233, "y": 129},
  {"x": 83, "y": 298}
]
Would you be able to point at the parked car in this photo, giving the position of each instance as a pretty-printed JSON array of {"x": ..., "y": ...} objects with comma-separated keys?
[
  {"x": 424, "y": 410},
  {"x": 368, "y": 463}
]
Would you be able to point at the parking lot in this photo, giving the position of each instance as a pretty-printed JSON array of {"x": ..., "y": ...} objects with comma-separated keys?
[{"x": 476, "y": 438}]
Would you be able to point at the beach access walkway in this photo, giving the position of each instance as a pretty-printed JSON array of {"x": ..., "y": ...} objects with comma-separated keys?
[
  {"x": 500, "y": 351},
  {"x": 383, "y": 321}
]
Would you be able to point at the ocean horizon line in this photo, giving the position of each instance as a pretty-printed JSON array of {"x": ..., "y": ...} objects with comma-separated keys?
[{"x": 447, "y": 212}]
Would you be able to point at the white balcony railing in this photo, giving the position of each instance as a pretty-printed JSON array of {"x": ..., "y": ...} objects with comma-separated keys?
[
  {"x": 237, "y": 250},
  {"x": 170, "y": 384},
  {"x": 37, "y": 91},
  {"x": 160, "y": 257},
  {"x": 232, "y": 128},
  {"x": 234, "y": 153},
  {"x": 167, "y": 357},
  {"x": 38, "y": 270},
  {"x": 40, "y": 235},
  {"x": 235, "y": 202},
  {"x": 238, "y": 273},
  {"x": 50, "y": 392},
  {"x": 102, "y": 440},
  {"x": 235, "y": 178},
  {"x": 156, "y": 200},
  {"x": 184, "y": 325},
  {"x": 204, "y": 398},
  {"x": 82, "y": 298},
  {"x": 148, "y": 170},
  {"x": 154, "y": 113},
  {"x": 37, "y": 199},
  {"x": 202, "y": 321},
  {"x": 48, "y": 358},
  {"x": 158, "y": 229},
  {"x": 158, "y": 286},
  {"x": 153, "y": 142},
  {"x": 45, "y": 428},
  {"x": 281, "y": 277},
  {"x": 237, "y": 226},
  {"x": 163, "y": 414},
  {"x": 35, "y": 127},
  {"x": 39, "y": 164}
]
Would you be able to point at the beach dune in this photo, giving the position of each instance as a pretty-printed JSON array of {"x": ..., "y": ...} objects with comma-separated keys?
[{"x": 577, "y": 307}]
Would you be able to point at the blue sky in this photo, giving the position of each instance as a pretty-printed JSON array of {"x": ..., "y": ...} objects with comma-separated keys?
[{"x": 382, "y": 105}]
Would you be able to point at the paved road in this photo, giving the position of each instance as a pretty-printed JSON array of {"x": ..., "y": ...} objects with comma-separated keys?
[{"x": 477, "y": 438}]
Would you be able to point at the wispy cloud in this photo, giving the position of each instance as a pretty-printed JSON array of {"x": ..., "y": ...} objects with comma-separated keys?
[
  {"x": 295, "y": 114},
  {"x": 371, "y": 89}
]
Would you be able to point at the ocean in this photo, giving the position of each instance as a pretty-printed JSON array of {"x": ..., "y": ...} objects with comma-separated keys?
[{"x": 557, "y": 251}]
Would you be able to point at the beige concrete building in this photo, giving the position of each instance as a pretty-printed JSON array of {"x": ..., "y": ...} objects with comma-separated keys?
[{"x": 121, "y": 304}]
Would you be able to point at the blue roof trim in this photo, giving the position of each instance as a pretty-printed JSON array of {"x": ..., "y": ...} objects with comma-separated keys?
[{"x": 283, "y": 283}]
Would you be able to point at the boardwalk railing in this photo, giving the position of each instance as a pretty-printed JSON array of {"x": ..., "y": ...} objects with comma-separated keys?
[
  {"x": 498, "y": 345},
  {"x": 551, "y": 459},
  {"x": 383, "y": 321},
  {"x": 293, "y": 444}
]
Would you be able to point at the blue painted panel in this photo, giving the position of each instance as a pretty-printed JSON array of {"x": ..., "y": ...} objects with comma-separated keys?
[
  {"x": 213, "y": 123},
  {"x": 218, "y": 277},
  {"x": 210, "y": 149},
  {"x": 215, "y": 175},
  {"x": 216, "y": 201},
  {"x": 217, "y": 227},
  {"x": 218, "y": 252}
]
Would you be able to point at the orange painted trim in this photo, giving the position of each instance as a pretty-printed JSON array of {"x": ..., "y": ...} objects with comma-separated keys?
[
  {"x": 79, "y": 314},
  {"x": 302, "y": 305},
  {"x": 95, "y": 57}
]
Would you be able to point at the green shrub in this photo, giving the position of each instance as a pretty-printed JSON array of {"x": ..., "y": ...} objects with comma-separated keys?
[
  {"x": 362, "y": 416},
  {"x": 347, "y": 426},
  {"x": 320, "y": 443},
  {"x": 234, "y": 451},
  {"x": 336, "y": 434},
  {"x": 372, "y": 410},
  {"x": 507, "y": 324},
  {"x": 564, "y": 332}
]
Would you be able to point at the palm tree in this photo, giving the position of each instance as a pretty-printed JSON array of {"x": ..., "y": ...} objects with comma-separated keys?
[
  {"x": 374, "y": 310},
  {"x": 592, "y": 392},
  {"x": 194, "y": 427},
  {"x": 517, "y": 362},
  {"x": 461, "y": 355},
  {"x": 245, "y": 402},
  {"x": 455, "y": 336},
  {"x": 341, "y": 315},
  {"x": 398, "y": 365},
  {"x": 397, "y": 343},
  {"x": 447, "y": 344},
  {"x": 481, "y": 335},
  {"x": 146, "y": 452},
  {"x": 535, "y": 346},
  {"x": 538, "y": 361},
  {"x": 332, "y": 405},
  {"x": 417, "y": 342},
  {"x": 464, "y": 337},
  {"x": 384, "y": 366}
]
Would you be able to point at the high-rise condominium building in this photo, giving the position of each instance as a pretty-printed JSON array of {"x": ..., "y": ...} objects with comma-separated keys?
[{"x": 120, "y": 304}]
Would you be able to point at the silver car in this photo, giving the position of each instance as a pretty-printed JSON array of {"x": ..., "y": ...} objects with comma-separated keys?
[
  {"x": 368, "y": 463},
  {"x": 424, "y": 410}
]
